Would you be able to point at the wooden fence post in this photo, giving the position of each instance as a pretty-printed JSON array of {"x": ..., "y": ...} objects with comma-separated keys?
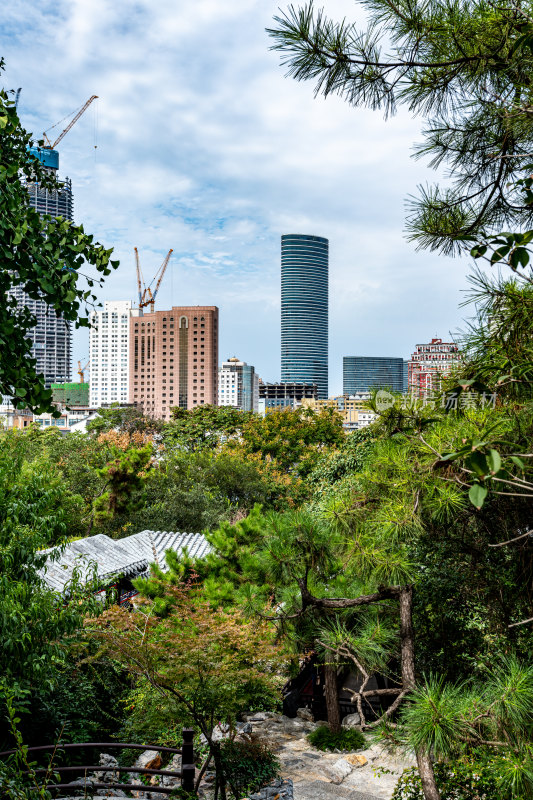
[{"x": 188, "y": 771}]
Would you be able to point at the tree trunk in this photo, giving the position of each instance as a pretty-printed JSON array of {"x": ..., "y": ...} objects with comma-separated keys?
[
  {"x": 219, "y": 770},
  {"x": 425, "y": 767},
  {"x": 427, "y": 775},
  {"x": 332, "y": 697}
]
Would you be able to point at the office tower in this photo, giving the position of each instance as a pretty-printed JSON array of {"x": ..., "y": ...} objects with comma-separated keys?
[
  {"x": 286, "y": 395},
  {"x": 109, "y": 353},
  {"x": 52, "y": 336},
  {"x": 405, "y": 376},
  {"x": 429, "y": 364},
  {"x": 238, "y": 385},
  {"x": 174, "y": 359},
  {"x": 304, "y": 310},
  {"x": 363, "y": 373}
]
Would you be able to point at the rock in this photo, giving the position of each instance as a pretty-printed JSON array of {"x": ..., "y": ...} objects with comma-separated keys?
[
  {"x": 351, "y": 721},
  {"x": 305, "y": 714},
  {"x": 373, "y": 753},
  {"x": 258, "y": 716},
  {"x": 247, "y": 728},
  {"x": 338, "y": 771},
  {"x": 219, "y": 732},
  {"x": 149, "y": 759},
  {"x": 106, "y": 760},
  {"x": 356, "y": 760}
]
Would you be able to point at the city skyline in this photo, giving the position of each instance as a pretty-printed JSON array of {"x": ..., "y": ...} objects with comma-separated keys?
[{"x": 219, "y": 174}]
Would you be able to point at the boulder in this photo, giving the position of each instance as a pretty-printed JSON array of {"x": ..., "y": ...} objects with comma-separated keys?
[
  {"x": 112, "y": 776},
  {"x": 258, "y": 716},
  {"x": 337, "y": 771},
  {"x": 356, "y": 760},
  {"x": 149, "y": 759},
  {"x": 351, "y": 721},
  {"x": 305, "y": 714}
]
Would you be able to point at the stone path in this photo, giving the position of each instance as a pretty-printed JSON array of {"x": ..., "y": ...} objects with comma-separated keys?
[{"x": 369, "y": 774}]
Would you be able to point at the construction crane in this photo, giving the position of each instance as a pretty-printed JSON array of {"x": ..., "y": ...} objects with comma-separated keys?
[
  {"x": 146, "y": 296},
  {"x": 81, "y": 371},
  {"x": 72, "y": 122}
]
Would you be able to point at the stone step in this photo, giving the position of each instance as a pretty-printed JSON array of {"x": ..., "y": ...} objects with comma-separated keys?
[{"x": 320, "y": 790}]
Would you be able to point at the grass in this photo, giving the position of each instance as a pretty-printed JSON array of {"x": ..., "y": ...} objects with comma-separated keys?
[{"x": 324, "y": 739}]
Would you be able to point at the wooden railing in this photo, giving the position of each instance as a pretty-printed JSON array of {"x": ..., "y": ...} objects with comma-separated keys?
[{"x": 187, "y": 773}]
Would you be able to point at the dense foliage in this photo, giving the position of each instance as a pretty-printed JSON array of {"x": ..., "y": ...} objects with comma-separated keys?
[
  {"x": 248, "y": 766},
  {"x": 323, "y": 738},
  {"x": 42, "y": 256}
]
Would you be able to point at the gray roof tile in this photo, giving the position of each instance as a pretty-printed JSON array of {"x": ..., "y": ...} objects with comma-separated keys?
[{"x": 105, "y": 558}]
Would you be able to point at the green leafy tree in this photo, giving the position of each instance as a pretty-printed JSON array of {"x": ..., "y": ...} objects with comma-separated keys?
[
  {"x": 123, "y": 477},
  {"x": 294, "y": 440},
  {"x": 125, "y": 419},
  {"x": 197, "y": 665},
  {"x": 44, "y": 257},
  {"x": 204, "y": 427},
  {"x": 454, "y": 721},
  {"x": 466, "y": 68},
  {"x": 33, "y": 624}
]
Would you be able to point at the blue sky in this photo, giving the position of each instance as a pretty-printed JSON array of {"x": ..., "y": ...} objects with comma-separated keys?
[{"x": 203, "y": 146}]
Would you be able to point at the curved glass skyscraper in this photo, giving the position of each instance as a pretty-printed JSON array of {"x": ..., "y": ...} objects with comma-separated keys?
[{"x": 304, "y": 310}]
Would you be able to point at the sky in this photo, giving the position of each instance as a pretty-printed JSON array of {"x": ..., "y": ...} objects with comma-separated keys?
[{"x": 198, "y": 142}]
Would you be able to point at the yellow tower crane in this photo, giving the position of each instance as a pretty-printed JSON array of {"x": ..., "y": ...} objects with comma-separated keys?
[
  {"x": 81, "y": 371},
  {"x": 146, "y": 296}
]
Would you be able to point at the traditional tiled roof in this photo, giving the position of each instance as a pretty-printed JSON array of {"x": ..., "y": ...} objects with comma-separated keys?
[{"x": 105, "y": 558}]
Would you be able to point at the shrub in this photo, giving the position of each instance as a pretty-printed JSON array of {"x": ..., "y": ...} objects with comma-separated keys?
[
  {"x": 247, "y": 766},
  {"x": 324, "y": 739},
  {"x": 459, "y": 781}
]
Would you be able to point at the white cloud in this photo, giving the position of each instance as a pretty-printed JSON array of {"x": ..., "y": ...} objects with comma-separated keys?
[{"x": 205, "y": 147}]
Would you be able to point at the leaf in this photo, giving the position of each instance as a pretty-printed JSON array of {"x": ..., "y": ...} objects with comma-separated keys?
[
  {"x": 478, "y": 251},
  {"x": 500, "y": 253},
  {"x": 494, "y": 461},
  {"x": 518, "y": 461},
  {"x": 478, "y": 463},
  {"x": 477, "y": 495}
]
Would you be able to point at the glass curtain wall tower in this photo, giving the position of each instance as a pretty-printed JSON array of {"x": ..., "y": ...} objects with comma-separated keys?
[{"x": 304, "y": 310}]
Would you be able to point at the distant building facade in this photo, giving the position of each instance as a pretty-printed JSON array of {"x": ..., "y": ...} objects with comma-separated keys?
[
  {"x": 109, "y": 352},
  {"x": 285, "y": 395},
  {"x": 174, "y": 359},
  {"x": 238, "y": 385},
  {"x": 355, "y": 415},
  {"x": 429, "y": 364},
  {"x": 304, "y": 310},
  {"x": 51, "y": 338},
  {"x": 364, "y": 373},
  {"x": 67, "y": 422}
]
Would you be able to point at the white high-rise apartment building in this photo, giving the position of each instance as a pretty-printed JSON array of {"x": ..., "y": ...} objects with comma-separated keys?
[
  {"x": 238, "y": 385},
  {"x": 109, "y": 353}
]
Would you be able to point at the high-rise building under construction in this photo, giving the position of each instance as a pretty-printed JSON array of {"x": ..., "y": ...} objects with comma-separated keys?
[{"x": 52, "y": 336}]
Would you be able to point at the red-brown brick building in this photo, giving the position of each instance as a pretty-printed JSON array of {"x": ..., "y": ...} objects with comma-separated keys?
[
  {"x": 429, "y": 364},
  {"x": 174, "y": 359}
]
